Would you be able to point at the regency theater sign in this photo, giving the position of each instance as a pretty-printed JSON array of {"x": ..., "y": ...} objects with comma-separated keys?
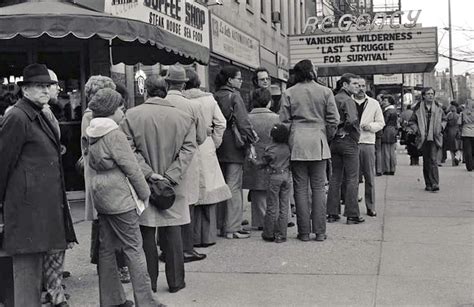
[{"x": 364, "y": 46}]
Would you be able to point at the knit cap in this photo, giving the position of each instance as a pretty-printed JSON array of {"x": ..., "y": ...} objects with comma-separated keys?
[{"x": 105, "y": 102}]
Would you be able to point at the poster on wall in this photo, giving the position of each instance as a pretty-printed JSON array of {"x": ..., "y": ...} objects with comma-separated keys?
[
  {"x": 378, "y": 51},
  {"x": 186, "y": 18},
  {"x": 234, "y": 44}
]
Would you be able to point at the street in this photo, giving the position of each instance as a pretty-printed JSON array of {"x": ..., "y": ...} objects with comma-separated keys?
[{"x": 419, "y": 250}]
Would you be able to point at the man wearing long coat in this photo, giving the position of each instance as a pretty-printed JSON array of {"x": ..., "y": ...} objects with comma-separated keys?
[
  {"x": 164, "y": 139},
  {"x": 36, "y": 212}
]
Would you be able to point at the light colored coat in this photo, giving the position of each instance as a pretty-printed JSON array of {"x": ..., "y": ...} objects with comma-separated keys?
[
  {"x": 372, "y": 117},
  {"x": 89, "y": 210},
  {"x": 193, "y": 109},
  {"x": 164, "y": 140},
  {"x": 213, "y": 188},
  {"x": 309, "y": 108},
  {"x": 114, "y": 163}
]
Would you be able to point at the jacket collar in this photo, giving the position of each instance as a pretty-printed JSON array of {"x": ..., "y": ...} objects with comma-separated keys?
[
  {"x": 29, "y": 107},
  {"x": 175, "y": 92},
  {"x": 158, "y": 101},
  {"x": 226, "y": 88},
  {"x": 260, "y": 110}
]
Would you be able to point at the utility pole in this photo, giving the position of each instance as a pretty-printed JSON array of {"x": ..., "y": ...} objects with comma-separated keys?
[{"x": 450, "y": 51}]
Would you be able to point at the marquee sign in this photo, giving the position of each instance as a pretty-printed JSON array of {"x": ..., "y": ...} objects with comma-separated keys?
[
  {"x": 184, "y": 18},
  {"x": 378, "y": 51}
]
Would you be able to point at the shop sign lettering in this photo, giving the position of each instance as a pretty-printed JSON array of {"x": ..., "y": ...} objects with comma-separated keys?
[
  {"x": 185, "y": 18},
  {"x": 364, "y": 22},
  {"x": 234, "y": 44},
  {"x": 400, "y": 46}
]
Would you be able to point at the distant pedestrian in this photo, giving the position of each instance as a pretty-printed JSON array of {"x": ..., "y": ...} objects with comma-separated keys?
[
  {"x": 230, "y": 154},
  {"x": 427, "y": 124},
  {"x": 466, "y": 120},
  {"x": 453, "y": 134},
  {"x": 119, "y": 191},
  {"x": 276, "y": 162},
  {"x": 389, "y": 136},
  {"x": 213, "y": 188},
  {"x": 310, "y": 112}
]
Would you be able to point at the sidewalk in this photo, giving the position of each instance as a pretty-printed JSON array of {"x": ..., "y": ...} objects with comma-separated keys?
[{"x": 419, "y": 250}]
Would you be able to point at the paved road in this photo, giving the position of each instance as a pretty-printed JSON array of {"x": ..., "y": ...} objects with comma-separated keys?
[{"x": 419, "y": 250}]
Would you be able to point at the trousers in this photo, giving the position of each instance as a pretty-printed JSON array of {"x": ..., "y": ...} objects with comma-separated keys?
[
  {"x": 389, "y": 159},
  {"x": 205, "y": 228},
  {"x": 345, "y": 160},
  {"x": 278, "y": 201},
  {"x": 430, "y": 163},
  {"x": 310, "y": 214},
  {"x": 259, "y": 205},
  {"x": 230, "y": 212},
  {"x": 367, "y": 168},
  {"x": 122, "y": 232}
]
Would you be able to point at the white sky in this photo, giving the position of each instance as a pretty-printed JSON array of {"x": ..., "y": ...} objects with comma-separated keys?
[{"x": 435, "y": 13}]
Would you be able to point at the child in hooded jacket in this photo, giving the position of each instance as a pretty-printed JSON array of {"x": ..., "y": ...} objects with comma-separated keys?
[{"x": 119, "y": 188}]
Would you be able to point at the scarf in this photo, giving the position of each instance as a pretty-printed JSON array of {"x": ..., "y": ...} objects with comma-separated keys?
[{"x": 433, "y": 131}]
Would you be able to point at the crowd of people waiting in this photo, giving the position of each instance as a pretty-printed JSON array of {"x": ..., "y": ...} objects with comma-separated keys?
[{"x": 171, "y": 171}]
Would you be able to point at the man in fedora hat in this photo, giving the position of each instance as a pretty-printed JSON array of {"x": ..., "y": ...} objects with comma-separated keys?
[
  {"x": 164, "y": 138},
  {"x": 37, "y": 218},
  {"x": 176, "y": 79}
]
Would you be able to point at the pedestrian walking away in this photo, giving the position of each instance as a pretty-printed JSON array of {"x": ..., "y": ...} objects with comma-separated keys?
[
  {"x": 466, "y": 120},
  {"x": 389, "y": 136}
]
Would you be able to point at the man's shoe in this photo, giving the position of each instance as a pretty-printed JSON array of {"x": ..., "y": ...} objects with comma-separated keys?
[
  {"x": 391, "y": 173},
  {"x": 127, "y": 303},
  {"x": 303, "y": 237},
  {"x": 66, "y": 274},
  {"x": 237, "y": 235},
  {"x": 291, "y": 224},
  {"x": 428, "y": 188},
  {"x": 204, "y": 245},
  {"x": 193, "y": 256},
  {"x": 371, "y": 212},
  {"x": 355, "y": 220},
  {"x": 321, "y": 237},
  {"x": 378, "y": 174},
  {"x": 333, "y": 218},
  {"x": 176, "y": 289},
  {"x": 244, "y": 222},
  {"x": 435, "y": 188},
  {"x": 124, "y": 275},
  {"x": 279, "y": 239},
  {"x": 268, "y": 239},
  {"x": 62, "y": 304}
]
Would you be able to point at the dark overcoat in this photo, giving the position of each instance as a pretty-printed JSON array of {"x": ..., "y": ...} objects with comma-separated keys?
[
  {"x": 232, "y": 106},
  {"x": 36, "y": 212}
]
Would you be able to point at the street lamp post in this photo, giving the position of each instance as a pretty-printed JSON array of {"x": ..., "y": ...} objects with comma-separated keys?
[{"x": 450, "y": 51}]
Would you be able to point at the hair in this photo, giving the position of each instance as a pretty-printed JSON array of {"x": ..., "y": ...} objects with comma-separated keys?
[
  {"x": 193, "y": 81},
  {"x": 390, "y": 99},
  {"x": 6, "y": 100},
  {"x": 96, "y": 83},
  {"x": 280, "y": 133},
  {"x": 304, "y": 71},
  {"x": 346, "y": 78},
  {"x": 255, "y": 75},
  {"x": 226, "y": 73},
  {"x": 261, "y": 97},
  {"x": 156, "y": 86},
  {"x": 105, "y": 102},
  {"x": 122, "y": 90},
  {"x": 338, "y": 86},
  {"x": 426, "y": 89}
]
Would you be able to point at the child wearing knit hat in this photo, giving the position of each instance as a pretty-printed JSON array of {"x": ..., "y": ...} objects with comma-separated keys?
[{"x": 119, "y": 191}]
